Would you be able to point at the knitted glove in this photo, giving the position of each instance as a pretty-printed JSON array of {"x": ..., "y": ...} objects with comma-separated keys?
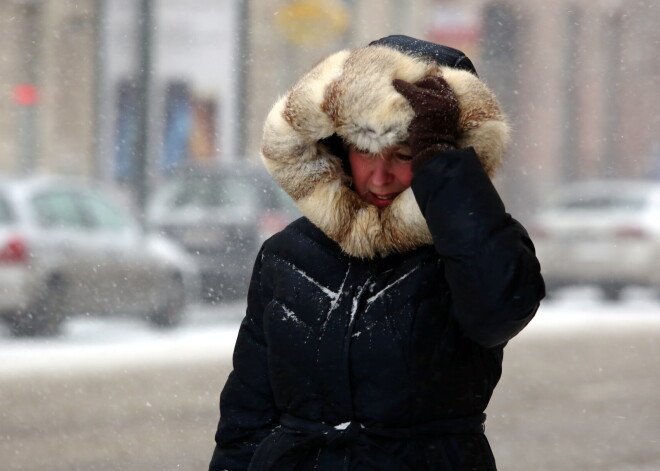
[{"x": 435, "y": 125}]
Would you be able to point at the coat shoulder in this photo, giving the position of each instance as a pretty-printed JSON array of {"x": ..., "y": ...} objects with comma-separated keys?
[{"x": 300, "y": 239}]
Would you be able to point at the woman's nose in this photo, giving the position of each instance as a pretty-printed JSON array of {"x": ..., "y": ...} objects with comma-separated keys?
[{"x": 382, "y": 174}]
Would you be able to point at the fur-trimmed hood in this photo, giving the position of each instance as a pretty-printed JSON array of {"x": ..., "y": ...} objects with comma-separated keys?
[{"x": 350, "y": 94}]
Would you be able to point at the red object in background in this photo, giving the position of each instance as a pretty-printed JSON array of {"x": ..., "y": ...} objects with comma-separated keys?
[
  {"x": 14, "y": 251},
  {"x": 26, "y": 94},
  {"x": 630, "y": 232},
  {"x": 465, "y": 35},
  {"x": 272, "y": 222}
]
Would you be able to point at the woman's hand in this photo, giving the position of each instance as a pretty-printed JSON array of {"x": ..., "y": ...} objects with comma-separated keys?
[{"x": 435, "y": 125}]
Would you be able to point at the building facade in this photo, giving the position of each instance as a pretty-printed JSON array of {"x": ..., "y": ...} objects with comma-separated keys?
[
  {"x": 48, "y": 115},
  {"x": 579, "y": 82},
  {"x": 578, "y": 79}
]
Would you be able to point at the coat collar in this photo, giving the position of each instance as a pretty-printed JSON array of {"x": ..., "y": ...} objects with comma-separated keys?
[{"x": 350, "y": 94}]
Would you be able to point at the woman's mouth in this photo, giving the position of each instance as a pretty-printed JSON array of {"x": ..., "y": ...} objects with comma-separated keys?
[{"x": 383, "y": 200}]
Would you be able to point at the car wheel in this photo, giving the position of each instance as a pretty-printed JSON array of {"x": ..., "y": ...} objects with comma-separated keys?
[
  {"x": 45, "y": 315},
  {"x": 612, "y": 292},
  {"x": 171, "y": 312}
]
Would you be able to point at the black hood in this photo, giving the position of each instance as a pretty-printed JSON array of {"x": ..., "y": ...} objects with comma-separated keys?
[{"x": 442, "y": 55}]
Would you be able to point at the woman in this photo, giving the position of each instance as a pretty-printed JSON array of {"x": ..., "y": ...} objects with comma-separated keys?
[{"x": 376, "y": 324}]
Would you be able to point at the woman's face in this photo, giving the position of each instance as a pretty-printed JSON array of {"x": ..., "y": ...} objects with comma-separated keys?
[{"x": 379, "y": 178}]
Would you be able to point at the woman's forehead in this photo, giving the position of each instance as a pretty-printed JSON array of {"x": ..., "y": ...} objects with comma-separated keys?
[{"x": 398, "y": 147}]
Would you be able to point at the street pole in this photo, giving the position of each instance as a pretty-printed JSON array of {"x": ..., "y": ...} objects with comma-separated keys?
[
  {"x": 28, "y": 132},
  {"x": 569, "y": 167},
  {"x": 142, "y": 88},
  {"x": 99, "y": 85},
  {"x": 242, "y": 76},
  {"x": 612, "y": 106}
]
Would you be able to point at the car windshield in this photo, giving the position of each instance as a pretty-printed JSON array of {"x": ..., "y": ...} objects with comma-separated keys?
[
  {"x": 6, "y": 215},
  {"x": 58, "y": 209},
  {"x": 213, "y": 192},
  {"x": 605, "y": 203},
  {"x": 602, "y": 198},
  {"x": 104, "y": 215}
]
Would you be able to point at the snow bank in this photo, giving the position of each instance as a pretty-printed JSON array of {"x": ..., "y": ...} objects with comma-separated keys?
[
  {"x": 592, "y": 316},
  {"x": 92, "y": 344},
  {"x": 209, "y": 334}
]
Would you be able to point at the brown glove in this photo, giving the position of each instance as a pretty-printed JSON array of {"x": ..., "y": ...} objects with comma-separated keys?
[{"x": 435, "y": 125}]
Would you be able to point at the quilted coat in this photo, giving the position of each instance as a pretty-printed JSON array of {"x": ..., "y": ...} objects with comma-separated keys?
[{"x": 373, "y": 339}]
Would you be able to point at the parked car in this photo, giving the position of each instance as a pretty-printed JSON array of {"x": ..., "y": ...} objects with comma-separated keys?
[
  {"x": 70, "y": 247},
  {"x": 604, "y": 233},
  {"x": 221, "y": 216}
]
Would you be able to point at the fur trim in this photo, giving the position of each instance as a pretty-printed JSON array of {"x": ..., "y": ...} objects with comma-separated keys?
[{"x": 350, "y": 94}]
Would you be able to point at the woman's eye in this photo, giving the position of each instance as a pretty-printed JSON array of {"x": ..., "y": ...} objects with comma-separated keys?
[{"x": 404, "y": 157}]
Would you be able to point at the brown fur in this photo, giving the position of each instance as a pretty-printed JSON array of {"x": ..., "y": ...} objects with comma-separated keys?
[{"x": 350, "y": 93}]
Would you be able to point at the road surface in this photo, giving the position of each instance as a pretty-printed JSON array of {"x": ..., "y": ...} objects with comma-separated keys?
[{"x": 579, "y": 392}]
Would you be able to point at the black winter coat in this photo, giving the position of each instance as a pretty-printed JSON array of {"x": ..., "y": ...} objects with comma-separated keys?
[{"x": 386, "y": 363}]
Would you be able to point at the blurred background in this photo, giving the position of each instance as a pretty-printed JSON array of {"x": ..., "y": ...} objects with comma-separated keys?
[
  {"x": 128, "y": 91},
  {"x": 130, "y": 185}
]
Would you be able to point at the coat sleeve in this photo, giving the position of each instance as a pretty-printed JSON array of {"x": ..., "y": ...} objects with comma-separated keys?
[
  {"x": 490, "y": 263},
  {"x": 247, "y": 409}
]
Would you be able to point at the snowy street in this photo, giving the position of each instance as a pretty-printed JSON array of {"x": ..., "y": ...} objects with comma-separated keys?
[
  {"x": 579, "y": 391},
  {"x": 390, "y": 184}
]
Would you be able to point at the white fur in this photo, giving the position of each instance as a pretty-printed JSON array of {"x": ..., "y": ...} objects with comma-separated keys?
[{"x": 350, "y": 93}]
